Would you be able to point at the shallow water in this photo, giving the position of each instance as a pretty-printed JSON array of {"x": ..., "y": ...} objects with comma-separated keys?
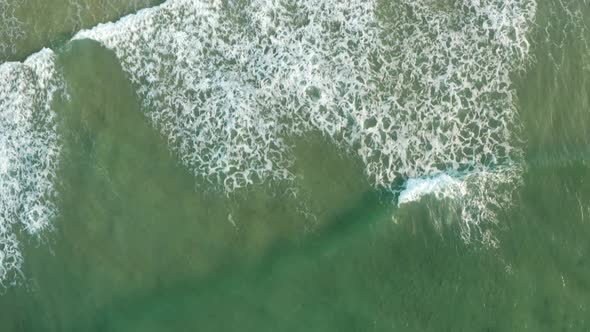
[{"x": 247, "y": 166}]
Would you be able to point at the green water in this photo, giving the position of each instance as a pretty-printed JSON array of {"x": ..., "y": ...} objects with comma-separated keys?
[
  {"x": 28, "y": 25},
  {"x": 140, "y": 244}
]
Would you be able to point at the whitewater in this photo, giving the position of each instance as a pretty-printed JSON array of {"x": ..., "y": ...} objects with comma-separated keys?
[
  {"x": 427, "y": 100},
  {"x": 29, "y": 152}
]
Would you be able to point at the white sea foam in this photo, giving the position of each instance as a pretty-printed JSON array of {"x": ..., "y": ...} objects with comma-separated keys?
[
  {"x": 474, "y": 198},
  {"x": 427, "y": 92},
  {"x": 421, "y": 97},
  {"x": 29, "y": 153}
]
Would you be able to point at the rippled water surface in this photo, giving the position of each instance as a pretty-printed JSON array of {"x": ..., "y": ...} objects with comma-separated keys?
[{"x": 297, "y": 165}]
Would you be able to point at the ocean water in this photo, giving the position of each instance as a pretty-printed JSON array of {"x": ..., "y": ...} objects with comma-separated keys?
[
  {"x": 26, "y": 26},
  {"x": 296, "y": 165}
]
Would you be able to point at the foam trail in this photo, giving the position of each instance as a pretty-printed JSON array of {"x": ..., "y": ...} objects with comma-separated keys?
[
  {"x": 429, "y": 92},
  {"x": 29, "y": 152}
]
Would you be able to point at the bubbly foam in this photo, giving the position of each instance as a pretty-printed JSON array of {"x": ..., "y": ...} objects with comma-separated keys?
[
  {"x": 29, "y": 152},
  {"x": 441, "y": 186},
  {"x": 426, "y": 93}
]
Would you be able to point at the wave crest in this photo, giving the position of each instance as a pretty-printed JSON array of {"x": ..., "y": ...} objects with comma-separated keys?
[{"x": 29, "y": 152}]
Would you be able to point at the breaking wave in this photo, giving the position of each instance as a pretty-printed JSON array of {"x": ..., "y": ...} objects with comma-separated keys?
[
  {"x": 474, "y": 199},
  {"x": 29, "y": 153},
  {"x": 21, "y": 32},
  {"x": 429, "y": 92},
  {"x": 426, "y": 99}
]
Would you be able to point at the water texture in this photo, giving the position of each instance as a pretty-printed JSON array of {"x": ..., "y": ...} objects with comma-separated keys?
[{"x": 294, "y": 165}]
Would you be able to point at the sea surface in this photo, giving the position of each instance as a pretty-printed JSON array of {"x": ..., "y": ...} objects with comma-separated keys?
[{"x": 295, "y": 165}]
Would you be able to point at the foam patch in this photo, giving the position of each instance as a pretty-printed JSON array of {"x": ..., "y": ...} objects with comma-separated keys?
[
  {"x": 427, "y": 93},
  {"x": 474, "y": 199},
  {"x": 29, "y": 153}
]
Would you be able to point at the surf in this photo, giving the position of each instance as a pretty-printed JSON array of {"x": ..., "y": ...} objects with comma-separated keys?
[
  {"x": 29, "y": 153},
  {"x": 228, "y": 82},
  {"x": 410, "y": 98}
]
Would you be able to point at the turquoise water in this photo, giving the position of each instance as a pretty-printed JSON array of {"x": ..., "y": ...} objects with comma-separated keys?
[{"x": 296, "y": 166}]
